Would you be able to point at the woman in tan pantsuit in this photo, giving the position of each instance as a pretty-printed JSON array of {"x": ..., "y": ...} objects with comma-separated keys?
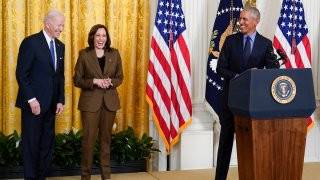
[{"x": 98, "y": 73}]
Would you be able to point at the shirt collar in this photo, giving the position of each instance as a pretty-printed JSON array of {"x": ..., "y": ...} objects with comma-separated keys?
[
  {"x": 252, "y": 36},
  {"x": 48, "y": 39}
]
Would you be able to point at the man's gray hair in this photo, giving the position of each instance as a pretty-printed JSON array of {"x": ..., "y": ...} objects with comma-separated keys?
[
  {"x": 254, "y": 12},
  {"x": 51, "y": 15}
]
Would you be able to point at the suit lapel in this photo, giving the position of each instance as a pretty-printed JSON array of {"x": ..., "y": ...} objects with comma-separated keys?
[
  {"x": 59, "y": 54},
  {"x": 108, "y": 61},
  {"x": 241, "y": 49},
  {"x": 45, "y": 47},
  {"x": 255, "y": 49},
  {"x": 94, "y": 62}
]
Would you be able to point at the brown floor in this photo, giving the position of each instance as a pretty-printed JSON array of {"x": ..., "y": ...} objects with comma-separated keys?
[{"x": 310, "y": 172}]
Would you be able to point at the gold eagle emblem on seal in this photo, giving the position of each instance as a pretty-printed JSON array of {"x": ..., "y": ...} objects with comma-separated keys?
[{"x": 283, "y": 89}]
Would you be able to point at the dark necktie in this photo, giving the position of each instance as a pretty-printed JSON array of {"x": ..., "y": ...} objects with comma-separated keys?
[
  {"x": 52, "y": 52},
  {"x": 246, "y": 50}
]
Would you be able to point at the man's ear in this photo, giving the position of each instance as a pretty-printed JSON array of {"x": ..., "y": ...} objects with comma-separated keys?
[{"x": 257, "y": 22}]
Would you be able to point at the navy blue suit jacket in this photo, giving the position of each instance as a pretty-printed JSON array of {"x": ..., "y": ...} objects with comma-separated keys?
[
  {"x": 231, "y": 63},
  {"x": 231, "y": 60},
  {"x": 36, "y": 75}
]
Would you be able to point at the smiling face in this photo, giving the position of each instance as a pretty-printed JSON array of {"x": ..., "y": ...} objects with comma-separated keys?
[
  {"x": 248, "y": 22},
  {"x": 100, "y": 38},
  {"x": 55, "y": 26}
]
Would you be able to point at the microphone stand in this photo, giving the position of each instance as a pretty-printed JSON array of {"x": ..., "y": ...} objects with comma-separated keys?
[
  {"x": 284, "y": 60},
  {"x": 276, "y": 60},
  {"x": 282, "y": 56}
]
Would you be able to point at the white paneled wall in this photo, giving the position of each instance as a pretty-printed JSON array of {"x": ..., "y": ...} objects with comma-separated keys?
[{"x": 198, "y": 143}]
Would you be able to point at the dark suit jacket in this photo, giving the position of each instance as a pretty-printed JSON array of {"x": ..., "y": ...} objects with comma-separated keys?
[
  {"x": 87, "y": 68},
  {"x": 36, "y": 75},
  {"x": 231, "y": 61}
]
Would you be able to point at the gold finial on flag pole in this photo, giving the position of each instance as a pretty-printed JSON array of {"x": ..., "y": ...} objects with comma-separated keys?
[{"x": 251, "y": 3}]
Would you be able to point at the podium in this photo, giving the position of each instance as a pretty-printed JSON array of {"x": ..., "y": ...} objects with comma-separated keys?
[{"x": 271, "y": 109}]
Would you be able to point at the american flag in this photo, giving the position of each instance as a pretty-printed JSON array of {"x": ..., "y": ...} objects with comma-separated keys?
[
  {"x": 168, "y": 89},
  {"x": 224, "y": 25},
  {"x": 291, "y": 37}
]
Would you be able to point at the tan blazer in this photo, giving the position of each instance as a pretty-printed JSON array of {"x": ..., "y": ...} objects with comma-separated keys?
[{"x": 92, "y": 97}]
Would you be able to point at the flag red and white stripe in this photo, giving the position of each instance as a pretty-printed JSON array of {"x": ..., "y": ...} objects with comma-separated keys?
[
  {"x": 168, "y": 89},
  {"x": 291, "y": 37}
]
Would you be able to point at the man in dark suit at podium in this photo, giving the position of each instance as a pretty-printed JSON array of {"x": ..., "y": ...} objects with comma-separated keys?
[
  {"x": 241, "y": 51},
  {"x": 40, "y": 76}
]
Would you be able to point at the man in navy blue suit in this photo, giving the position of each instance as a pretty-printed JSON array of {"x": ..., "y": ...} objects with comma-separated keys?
[
  {"x": 241, "y": 51},
  {"x": 40, "y": 76}
]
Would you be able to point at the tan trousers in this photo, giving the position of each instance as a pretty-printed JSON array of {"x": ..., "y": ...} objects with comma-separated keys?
[{"x": 92, "y": 123}]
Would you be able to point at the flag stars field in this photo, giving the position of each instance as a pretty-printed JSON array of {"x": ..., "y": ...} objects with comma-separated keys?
[{"x": 226, "y": 10}]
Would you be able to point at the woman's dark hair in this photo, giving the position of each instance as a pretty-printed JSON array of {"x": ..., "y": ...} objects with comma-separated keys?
[{"x": 93, "y": 31}]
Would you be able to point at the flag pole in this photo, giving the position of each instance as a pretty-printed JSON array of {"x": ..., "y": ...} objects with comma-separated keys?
[
  {"x": 170, "y": 48},
  {"x": 168, "y": 162}
]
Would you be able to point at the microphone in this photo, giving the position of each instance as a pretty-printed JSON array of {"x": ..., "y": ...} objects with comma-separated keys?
[
  {"x": 283, "y": 56},
  {"x": 274, "y": 57}
]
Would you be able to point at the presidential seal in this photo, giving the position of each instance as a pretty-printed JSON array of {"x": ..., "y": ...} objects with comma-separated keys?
[{"x": 283, "y": 89}]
